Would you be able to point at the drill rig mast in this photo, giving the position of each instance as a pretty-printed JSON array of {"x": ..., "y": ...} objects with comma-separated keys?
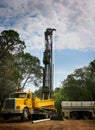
[{"x": 48, "y": 66}]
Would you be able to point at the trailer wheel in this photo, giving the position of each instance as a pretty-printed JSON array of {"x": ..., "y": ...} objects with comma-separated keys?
[
  {"x": 74, "y": 115},
  {"x": 87, "y": 115},
  {"x": 25, "y": 114}
]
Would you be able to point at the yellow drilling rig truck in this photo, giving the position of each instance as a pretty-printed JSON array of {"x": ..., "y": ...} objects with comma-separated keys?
[{"x": 23, "y": 104}]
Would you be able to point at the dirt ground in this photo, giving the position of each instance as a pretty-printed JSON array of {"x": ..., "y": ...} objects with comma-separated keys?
[{"x": 49, "y": 125}]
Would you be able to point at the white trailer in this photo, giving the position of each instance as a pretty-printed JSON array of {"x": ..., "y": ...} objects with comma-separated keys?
[{"x": 78, "y": 109}]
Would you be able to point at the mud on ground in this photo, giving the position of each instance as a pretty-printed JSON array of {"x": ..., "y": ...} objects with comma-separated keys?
[{"x": 48, "y": 125}]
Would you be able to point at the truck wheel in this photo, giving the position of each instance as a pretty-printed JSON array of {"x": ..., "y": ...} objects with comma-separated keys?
[
  {"x": 25, "y": 115},
  {"x": 6, "y": 117},
  {"x": 74, "y": 115}
]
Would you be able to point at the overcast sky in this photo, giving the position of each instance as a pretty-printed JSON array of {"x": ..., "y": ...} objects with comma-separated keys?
[{"x": 74, "y": 21}]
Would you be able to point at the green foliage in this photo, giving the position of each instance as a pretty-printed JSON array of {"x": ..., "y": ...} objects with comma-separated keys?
[
  {"x": 10, "y": 43},
  {"x": 81, "y": 84},
  {"x": 58, "y": 97},
  {"x": 38, "y": 93},
  {"x": 16, "y": 67},
  {"x": 29, "y": 68}
]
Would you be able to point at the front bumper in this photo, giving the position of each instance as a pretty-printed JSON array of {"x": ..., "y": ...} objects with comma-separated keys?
[{"x": 12, "y": 112}]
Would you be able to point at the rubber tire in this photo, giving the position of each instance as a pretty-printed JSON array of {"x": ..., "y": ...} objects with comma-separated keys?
[
  {"x": 6, "y": 117},
  {"x": 25, "y": 115},
  {"x": 74, "y": 115},
  {"x": 87, "y": 115}
]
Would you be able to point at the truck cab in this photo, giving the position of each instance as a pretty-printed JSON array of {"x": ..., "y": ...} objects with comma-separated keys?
[{"x": 19, "y": 103}]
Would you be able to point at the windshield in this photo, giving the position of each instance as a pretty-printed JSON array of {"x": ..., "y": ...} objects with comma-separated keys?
[{"x": 19, "y": 95}]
